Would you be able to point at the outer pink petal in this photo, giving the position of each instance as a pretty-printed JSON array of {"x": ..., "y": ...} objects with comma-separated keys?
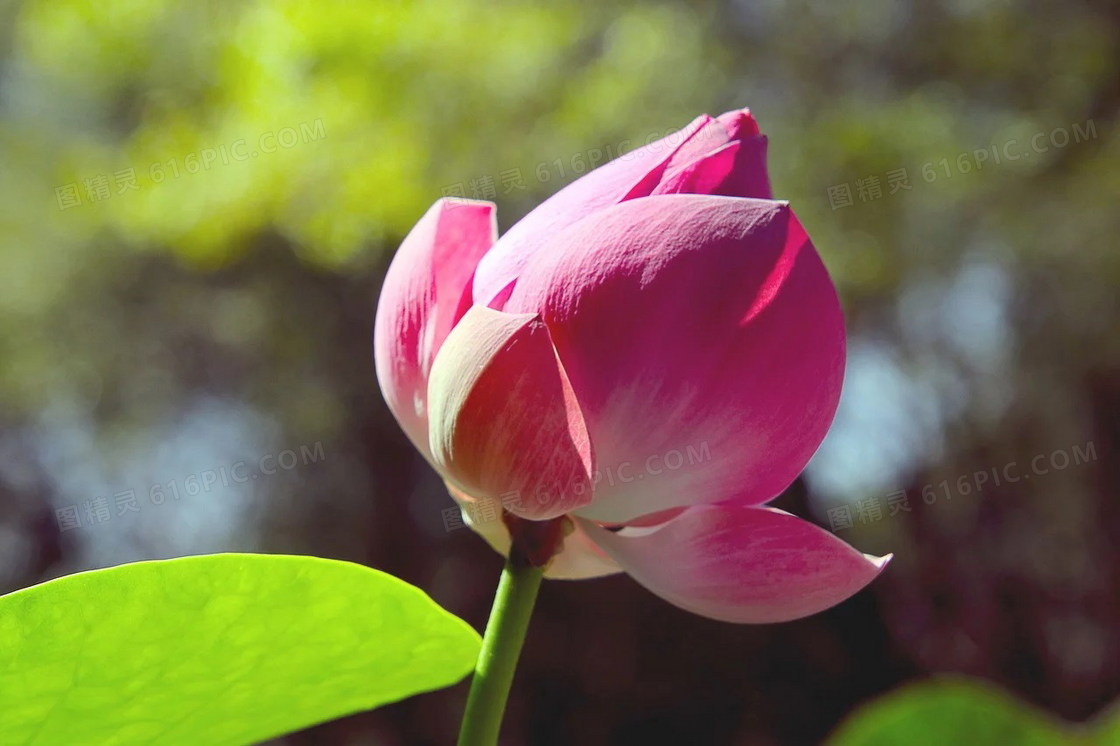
[
  {"x": 739, "y": 563},
  {"x": 635, "y": 174},
  {"x": 421, "y": 300},
  {"x": 704, "y": 342},
  {"x": 504, "y": 422},
  {"x": 579, "y": 558}
]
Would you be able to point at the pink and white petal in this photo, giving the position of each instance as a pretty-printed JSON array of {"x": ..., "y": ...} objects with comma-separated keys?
[
  {"x": 579, "y": 558},
  {"x": 421, "y": 300},
  {"x": 740, "y": 563},
  {"x": 504, "y": 420},
  {"x": 484, "y": 517},
  {"x": 634, "y": 174},
  {"x": 704, "y": 342}
]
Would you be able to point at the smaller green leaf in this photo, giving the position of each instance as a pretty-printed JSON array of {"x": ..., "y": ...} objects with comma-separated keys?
[
  {"x": 950, "y": 711},
  {"x": 221, "y": 650},
  {"x": 1107, "y": 727}
]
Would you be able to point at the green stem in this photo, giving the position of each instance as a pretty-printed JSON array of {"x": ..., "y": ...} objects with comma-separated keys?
[{"x": 501, "y": 646}]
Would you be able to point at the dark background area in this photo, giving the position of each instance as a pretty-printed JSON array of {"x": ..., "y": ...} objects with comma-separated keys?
[{"x": 208, "y": 310}]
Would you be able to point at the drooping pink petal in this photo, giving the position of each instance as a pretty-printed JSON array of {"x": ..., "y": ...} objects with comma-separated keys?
[
  {"x": 504, "y": 423},
  {"x": 704, "y": 342},
  {"x": 421, "y": 299},
  {"x": 634, "y": 174},
  {"x": 739, "y": 563}
]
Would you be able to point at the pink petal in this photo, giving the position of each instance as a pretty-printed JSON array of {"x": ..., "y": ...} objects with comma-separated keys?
[
  {"x": 749, "y": 177},
  {"x": 691, "y": 326},
  {"x": 701, "y": 176},
  {"x": 709, "y": 137},
  {"x": 422, "y": 299},
  {"x": 740, "y": 124},
  {"x": 744, "y": 176},
  {"x": 738, "y": 563},
  {"x": 504, "y": 420},
  {"x": 734, "y": 164},
  {"x": 690, "y": 160},
  {"x": 634, "y": 174},
  {"x": 579, "y": 558}
]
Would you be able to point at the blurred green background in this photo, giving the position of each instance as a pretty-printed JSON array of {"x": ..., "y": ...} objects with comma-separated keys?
[{"x": 198, "y": 202}]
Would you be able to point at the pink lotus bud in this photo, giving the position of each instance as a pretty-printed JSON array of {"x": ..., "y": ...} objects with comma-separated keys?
[{"x": 654, "y": 353}]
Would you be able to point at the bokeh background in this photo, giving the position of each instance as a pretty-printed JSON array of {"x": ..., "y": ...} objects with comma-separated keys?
[{"x": 198, "y": 202}]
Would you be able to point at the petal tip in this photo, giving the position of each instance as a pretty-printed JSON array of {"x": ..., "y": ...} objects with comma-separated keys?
[
  {"x": 740, "y": 123},
  {"x": 879, "y": 562},
  {"x": 446, "y": 202}
]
